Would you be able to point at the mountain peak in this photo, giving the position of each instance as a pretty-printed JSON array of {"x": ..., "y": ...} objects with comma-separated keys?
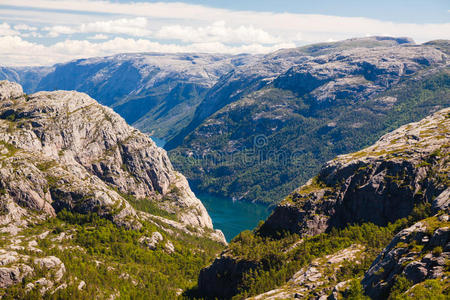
[{"x": 76, "y": 154}]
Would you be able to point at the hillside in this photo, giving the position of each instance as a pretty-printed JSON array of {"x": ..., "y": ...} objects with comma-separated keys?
[
  {"x": 254, "y": 127},
  {"x": 267, "y": 127},
  {"x": 374, "y": 221},
  {"x": 155, "y": 92},
  {"x": 247, "y": 78},
  {"x": 90, "y": 205}
]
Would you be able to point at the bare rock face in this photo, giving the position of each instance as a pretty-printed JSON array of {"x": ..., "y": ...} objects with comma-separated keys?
[
  {"x": 10, "y": 90},
  {"x": 63, "y": 150},
  {"x": 442, "y": 202},
  {"x": 222, "y": 277},
  {"x": 153, "y": 241},
  {"x": 379, "y": 184},
  {"x": 13, "y": 275},
  {"x": 358, "y": 73},
  {"x": 52, "y": 263},
  {"x": 15, "y": 267},
  {"x": 419, "y": 252}
]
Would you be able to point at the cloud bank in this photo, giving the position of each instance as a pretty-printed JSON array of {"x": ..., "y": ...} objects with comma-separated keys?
[{"x": 42, "y": 32}]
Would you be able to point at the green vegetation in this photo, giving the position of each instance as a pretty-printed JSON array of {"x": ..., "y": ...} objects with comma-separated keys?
[
  {"x": 355, "y": 291},
  {"x": 276, "y": 259},
  {"x": 149, "y": 206},
  {"x": 431, "y": 289},
  {"x": 400, "y": 286},
  {"x": 298, "y": 136},
  {"x": 10, "y": 147},
  {"x": 111, "y": 260},
  {"x": 44, "y": 166}
]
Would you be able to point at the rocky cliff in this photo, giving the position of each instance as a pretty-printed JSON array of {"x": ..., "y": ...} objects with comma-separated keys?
[
  {"x": 378, "y": 184},
  {"x": 64, "y": 150},
  {"x": 76, "y": 178},
  {"x": 417, "y": 254},
  {"x": 355, "y": 205}
]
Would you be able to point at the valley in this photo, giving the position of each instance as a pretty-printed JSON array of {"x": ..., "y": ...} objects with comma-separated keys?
[
  {"x": 210, "y": 110},
  {"x": 316, "y": 172}
]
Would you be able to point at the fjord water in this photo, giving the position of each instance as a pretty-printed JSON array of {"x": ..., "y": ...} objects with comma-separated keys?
[
  {"x": 232, "y": 217},
  {"x": 158, "y": 141}
]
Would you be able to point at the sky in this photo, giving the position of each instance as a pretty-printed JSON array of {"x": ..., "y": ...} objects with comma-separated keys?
[{"x": 45, "y": 32}]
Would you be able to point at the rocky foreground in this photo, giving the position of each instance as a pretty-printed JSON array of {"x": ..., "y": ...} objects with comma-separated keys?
[
  {"x": 309, "y": 247},
  {"x": 62, "y": 152}
]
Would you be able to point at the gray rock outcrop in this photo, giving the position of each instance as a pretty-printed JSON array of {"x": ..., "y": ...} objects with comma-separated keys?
[
  {"x": 412, "y": 253},
  {"x": 63, "y": 150},
  {"x": 379, "y": 184}
]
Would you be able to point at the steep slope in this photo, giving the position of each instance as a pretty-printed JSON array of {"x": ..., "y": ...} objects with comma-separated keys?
[
  {"x": 356, "y": 204},
  {"x": 66, "y": 161},
  {"x": 156, "y": 92},
  {"x": 265, "y": 143},
  {"x": 417, "y": 257},
  {"x": 254, "y": 75}
]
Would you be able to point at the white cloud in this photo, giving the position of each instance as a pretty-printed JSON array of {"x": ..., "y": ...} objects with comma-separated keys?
[
  {"x": 33, "y": 34},
  {"x": 25, "y": 27},
  {"x": 55, "y": 31},
  {"x": 173, "y": 27},
  {"x": 98, "y": 37},
  {"x": 16, "y": 51},
  {"x": 217, "y": 32},
  {"x": 133, "y": 27},
  {"x": 5, "y": 29},
  {"x": 313, "y": 27}
]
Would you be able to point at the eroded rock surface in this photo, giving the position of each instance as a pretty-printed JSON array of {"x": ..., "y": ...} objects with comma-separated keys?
[
  {"x": 63, "y": 150},
  {"x": 379, "y": 184},
  {"x": 418, "y": 253}
]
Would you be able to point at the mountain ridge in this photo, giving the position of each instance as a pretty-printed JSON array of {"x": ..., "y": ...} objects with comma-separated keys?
[
  {"x": 339, "y": 102},
  {"x": 368, "y": 220},
  {"x": 269, "y": 96}
]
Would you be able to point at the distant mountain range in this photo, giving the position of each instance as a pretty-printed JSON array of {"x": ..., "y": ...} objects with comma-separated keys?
[
  {"x": 255, "y": 127},
  {"x": 157, "y": 93},
  {"x": 266, "y": 127}
]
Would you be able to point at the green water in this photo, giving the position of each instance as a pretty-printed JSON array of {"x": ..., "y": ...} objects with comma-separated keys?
[
  {"x": 159, "y": 142},
  {"x": 233, "y": 217}
]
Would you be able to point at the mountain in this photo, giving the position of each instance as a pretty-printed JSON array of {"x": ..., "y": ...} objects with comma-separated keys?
[
  {"x": 247, "y": 78},
  {"x": 155, "y": 92},
  {"x": 90, "y": 205},
  {"x": 254, "y": 127},
  {"x": 374, "y": 221},
  {"x": 266, "y": 127},
  {"x": 28, "y": 77}
]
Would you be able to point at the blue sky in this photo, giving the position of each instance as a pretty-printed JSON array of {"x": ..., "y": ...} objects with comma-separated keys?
[
  {"x": 44, "y": 32},
  {"x": 415, "y": 11}
]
